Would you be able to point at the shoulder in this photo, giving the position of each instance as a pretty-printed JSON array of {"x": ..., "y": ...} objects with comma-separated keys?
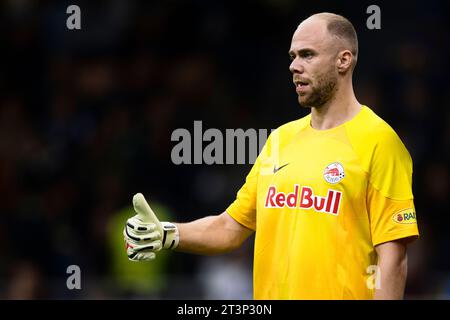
[
  {"x": 371, "y": 132},
  {"x": 283, "y": 135},
  {"x": 369, "y": 125},
  {"x": 292, "y": 128},
  {"x": 375, "y": 141},
  {"x": 383, "y": 156}
]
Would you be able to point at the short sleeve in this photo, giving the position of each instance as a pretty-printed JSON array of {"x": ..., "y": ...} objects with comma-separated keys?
[
  {"x": 389, "y": 196},
  {"x": 243, "y": 208}
]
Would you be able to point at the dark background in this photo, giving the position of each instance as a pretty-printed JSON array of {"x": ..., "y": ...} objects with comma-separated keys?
[{"x": 86, "y": 118}]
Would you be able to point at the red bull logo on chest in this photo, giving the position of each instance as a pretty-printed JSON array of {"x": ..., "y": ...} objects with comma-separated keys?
[{"x": 304, "y": 198}]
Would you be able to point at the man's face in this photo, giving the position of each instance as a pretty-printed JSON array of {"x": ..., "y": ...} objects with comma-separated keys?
[{"x": 313, "y": 55}]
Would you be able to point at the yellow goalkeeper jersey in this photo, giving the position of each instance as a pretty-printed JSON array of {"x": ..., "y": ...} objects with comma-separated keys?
[{"x": 320, "y": 201}]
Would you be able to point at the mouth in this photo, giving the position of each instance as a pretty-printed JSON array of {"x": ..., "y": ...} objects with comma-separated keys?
[{"x": 300, "y": 85}]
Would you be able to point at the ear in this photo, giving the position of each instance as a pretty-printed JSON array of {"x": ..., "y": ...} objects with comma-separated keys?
[{"x": 344, "y": 61}]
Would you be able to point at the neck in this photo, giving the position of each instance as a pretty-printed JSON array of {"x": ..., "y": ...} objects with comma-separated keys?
[{"x": 342, "y": 107}]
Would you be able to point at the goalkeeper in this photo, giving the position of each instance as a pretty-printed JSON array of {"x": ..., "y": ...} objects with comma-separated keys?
[{"x": 329, "y": 197}]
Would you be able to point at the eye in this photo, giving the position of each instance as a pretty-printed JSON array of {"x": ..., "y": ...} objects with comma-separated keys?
[
  {"x": 307, "y": 55},
  {"x": 291, "y": 57}
]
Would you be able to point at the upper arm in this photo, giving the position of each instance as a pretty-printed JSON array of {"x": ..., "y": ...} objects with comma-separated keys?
[
  {"x": 238, "y": 231},
  {"x": 395, "y": 248},
  {"x": 393, "y": 253},
  {"x": 392, "y": 270}
]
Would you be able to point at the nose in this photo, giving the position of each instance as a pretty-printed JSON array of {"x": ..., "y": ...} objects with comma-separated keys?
[{"x": 296, "y": 66}]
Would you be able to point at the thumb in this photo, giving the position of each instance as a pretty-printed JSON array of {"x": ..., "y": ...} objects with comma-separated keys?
[{"x": 143, "y": 210}]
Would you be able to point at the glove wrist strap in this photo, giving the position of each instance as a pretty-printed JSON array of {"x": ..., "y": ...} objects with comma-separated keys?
[{"x": 170, "y": 236}]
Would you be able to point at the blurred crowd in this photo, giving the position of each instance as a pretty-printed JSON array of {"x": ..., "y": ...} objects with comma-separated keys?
[{"x": 86, "y": 118}]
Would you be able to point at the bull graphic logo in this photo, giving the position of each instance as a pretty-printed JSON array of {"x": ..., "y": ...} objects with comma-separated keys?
[{"x": 334, "y": 173}]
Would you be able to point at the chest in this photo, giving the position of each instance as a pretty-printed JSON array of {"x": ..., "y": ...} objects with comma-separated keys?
[{"x": 320, "y": 168}]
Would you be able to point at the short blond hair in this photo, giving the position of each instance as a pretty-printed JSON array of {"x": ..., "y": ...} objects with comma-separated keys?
[{"x": 342, "y": 29}]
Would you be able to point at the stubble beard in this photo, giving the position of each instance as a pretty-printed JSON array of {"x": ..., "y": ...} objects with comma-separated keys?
[{"x": 321, "y": 92}]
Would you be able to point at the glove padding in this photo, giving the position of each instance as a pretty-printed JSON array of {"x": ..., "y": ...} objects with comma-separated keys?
[{"x": 145, "y": 235}]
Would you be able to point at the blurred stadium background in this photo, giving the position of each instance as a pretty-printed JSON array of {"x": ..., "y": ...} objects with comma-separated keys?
[{"x": 86, "y": 118}]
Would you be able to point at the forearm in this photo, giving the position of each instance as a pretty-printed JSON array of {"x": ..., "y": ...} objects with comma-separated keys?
[
  {"x": 210, "y": 235},
  {"x": 392, "y": 273}
]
